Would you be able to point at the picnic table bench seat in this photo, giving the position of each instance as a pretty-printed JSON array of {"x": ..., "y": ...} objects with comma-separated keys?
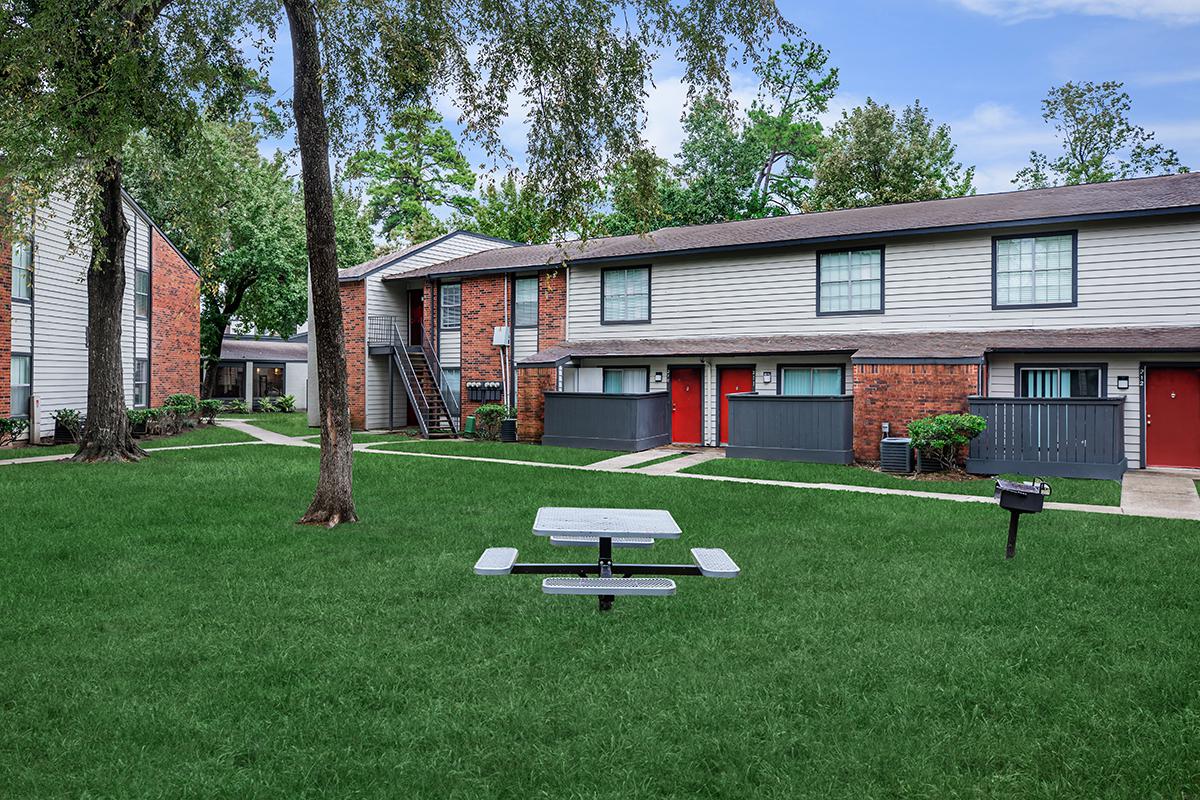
[
  {"x": 496, "y": 561},
  {"x": 646, "y": 587},
  {"x": 713, "y": 562},
  {"x": 594, "y": 541}
]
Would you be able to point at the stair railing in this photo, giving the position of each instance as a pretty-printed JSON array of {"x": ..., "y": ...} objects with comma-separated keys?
[
  {"x": 448, "y": 398},
  {"x": 412, "y": 384}
]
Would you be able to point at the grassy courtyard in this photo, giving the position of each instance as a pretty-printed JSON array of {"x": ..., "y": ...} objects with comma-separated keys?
[
  {"x": 184, "y": 638},
  {"x": 205, "y": 434}
]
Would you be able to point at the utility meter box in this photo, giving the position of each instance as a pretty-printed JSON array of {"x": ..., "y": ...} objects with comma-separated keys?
[{"x": 501, "y": 336}]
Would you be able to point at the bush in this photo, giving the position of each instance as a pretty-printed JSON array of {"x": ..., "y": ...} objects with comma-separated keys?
[
  {"x": 939, "y": 438},
  {"x": 488, "y": 418},
  {"x": 209, "y": 410},
  {"x": 185, "y": 404},
  {"x": 139, "y": 417},
  {"x": 11, "y": 429},
  {"x": 286, "y": 404},
  {"x": 267, "y": 406},
  {"x": 237, "y": 406},
  {"x": 70, "y": 420}
]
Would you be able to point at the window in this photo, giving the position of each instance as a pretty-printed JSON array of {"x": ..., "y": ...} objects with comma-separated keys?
[
  {"x": 141, "y": 293},
  {"x": 268, "y": 381},
  {"x": 1048, "y": 382},
  {"x": 626, "y": 380},
  {"x": 141, "y": 383},
  {"x": 810, "y": 381},
  {"x": 450, "y": 306},
  {"x": 1033, "y": 270},
  {"x": 527, "y": 303},
  {"x": 850, "y": 282},
  {"x": 626, "y": 295},
  {"x": 452, "y": 384},
  {"x": 230, "y": 382},
  {"x": 22, "y": 382},
  {"x": 22, "y": 271}
]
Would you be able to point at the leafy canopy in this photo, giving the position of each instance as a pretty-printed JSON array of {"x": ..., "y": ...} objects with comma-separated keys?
[
  {"x": 1098, "y": 141},
  {"x": 509, "y": 209}
]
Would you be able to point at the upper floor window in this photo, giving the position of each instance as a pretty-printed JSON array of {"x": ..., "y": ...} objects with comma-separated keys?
[
  {"x": 850, "y": 282},
  {"x": 810, "y": 381},
  {"x": 1034, "y": 270},
  {"x": 141, "y": 383},
  {"x": 22, "y": 381},
  {"x": 22, "y": 271},
  {"x": 450, "y": 306},
  {"x": 141, "y": 293},
  {"x": 625, "y": 295},
  {"x": 527, "y": 303},
  {"x": 1054, "y": 382}
]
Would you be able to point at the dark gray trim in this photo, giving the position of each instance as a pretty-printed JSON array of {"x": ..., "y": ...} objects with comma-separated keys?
[
  {"x": 1100, "y": 365},
  {"x": 1074, "y": 234},
  {"x": 977, "y": 466},
  {"x": 558, "y": 362},
  {"x": 906, "y": 360},
  {"x": 649, "y": 297},
  {"x": 791, "y": 428},
  {"x": 882, "y": 281},
  {"x": 779, "y": 368}
]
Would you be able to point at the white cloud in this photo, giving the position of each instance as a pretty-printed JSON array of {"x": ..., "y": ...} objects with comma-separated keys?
[{"x": 1172, "y": 11}]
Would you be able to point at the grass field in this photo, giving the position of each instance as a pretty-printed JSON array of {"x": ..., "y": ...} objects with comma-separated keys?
[
  {"x": 294, "y": 423},
  {"x": 184, "y": 638},
  {"x": 514, "y": 451},
  {"x": 1065, "y": 490},
  {"x": 205, "y": 434}
]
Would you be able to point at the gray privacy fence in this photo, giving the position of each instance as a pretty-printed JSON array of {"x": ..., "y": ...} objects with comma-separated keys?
[
  {"x": 787, "y": 428},
  {"x": 1067, "y": 437},
  {"x": 628, "y": 422}
]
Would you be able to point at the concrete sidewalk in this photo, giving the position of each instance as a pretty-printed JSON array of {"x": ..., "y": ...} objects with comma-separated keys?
[{"x": 1160, "y": 493}]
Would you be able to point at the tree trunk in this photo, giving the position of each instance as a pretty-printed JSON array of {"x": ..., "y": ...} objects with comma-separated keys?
[
  {"x": 106, "y": 433},
  {"x": 333, "y": 502}
]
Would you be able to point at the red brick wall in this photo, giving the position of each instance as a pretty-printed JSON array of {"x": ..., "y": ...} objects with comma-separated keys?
[
  {"x": 354, "y": 324},
  {"x": 5, "y": 327},
  {"x": 899, "y": 393},
  {"x": 174, "y": 323},
  {"x": 482, "y": 311},
  {"x": 531, "y": 401}
]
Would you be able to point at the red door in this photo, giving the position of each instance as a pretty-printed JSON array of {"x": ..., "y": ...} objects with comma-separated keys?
[
  {"x": 1173, "y": 417},
  {"x": 732, "y": 380},
  {"x": 687, "y": 402},
  {"x": 416, "y": 316}
]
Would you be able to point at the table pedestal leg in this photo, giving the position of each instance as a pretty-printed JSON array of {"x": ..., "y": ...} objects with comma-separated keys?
[{"x": 605, "y": 564}]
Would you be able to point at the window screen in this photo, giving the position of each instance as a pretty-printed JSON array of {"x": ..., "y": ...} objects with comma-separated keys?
[
  {"x": 527, "y": 303},
  {"x": 810, "y": 381},
  {"x": 1035, "y": 270},
  {"x": 851, "y": 281},
  {"x": 451, "y": 306},
  {"x": 626, "y": 294}
]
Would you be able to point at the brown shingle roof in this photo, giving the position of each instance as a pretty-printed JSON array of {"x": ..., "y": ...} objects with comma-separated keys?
[
  {"x": 1168, "y": 193},
  {"x": 869, "y": 346},
  {"x": 264, "y": 350}
]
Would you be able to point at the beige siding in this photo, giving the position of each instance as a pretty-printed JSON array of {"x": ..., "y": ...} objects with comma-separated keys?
[{"x": 1130, "y": 273}]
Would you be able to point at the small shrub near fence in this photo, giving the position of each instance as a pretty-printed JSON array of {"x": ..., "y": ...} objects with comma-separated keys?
[
  {"x": 939, "y": 438},
  {"x": 11, "y": 429},
  {"x": 488, "y": 418}
]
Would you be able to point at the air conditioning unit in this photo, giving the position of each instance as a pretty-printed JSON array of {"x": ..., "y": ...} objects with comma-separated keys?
[{"x": 896, "y": 454}]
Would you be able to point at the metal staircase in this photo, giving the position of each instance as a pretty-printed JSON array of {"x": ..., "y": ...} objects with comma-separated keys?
[{"x": 435, "y": 409}]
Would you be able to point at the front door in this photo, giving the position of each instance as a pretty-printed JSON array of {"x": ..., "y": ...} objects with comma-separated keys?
[
  {"x": 416, "y": 316},
  {"x": 687, "y": 403},
  {"x": 1173, "y": 417},
  {"x": 731, "y": 380}
]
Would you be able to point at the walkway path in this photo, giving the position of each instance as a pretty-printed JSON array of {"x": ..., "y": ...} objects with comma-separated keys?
[{"x": 1147, "y": 493}]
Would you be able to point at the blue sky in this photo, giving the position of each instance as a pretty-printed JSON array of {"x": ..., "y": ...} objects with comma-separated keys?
[{"x": 983, "y": 66}]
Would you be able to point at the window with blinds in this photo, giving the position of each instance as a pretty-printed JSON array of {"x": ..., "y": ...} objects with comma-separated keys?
[
  {"x": 625, "y": 295},
  {"x": 22, "y": 382},
  {"x": 626, "y": 380},
  {"x": 526, "y": 314},
  {"x": 1034, "y": 270},
  {"x": 22, "y": 271},
  {"x": 1056, "y": 382},
  {"x": 450, "y": 306},
  {"x": 810, "y": 381},
  {"x": 850, "y": 282}
]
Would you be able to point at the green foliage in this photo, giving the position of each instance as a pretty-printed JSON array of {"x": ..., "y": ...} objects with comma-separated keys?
[
  {"x": 355, "y": 239},
  {"x": 11, "y": 429},
  {"x": 509, "y": 210},
  {"x": 236, "y": 406},
  {"x": 267, "y": 405},
  {"x": 185, "y": 403},
  {"x": 1099, "y": 143},
  {"x": 418, "y": 170},
  {"x": 873, "y": 157},
  {"x": 209, "y": 409},
  {"x": 70, "y": 420},
  {"x": 939, "y": 437},
  {"x": 488, "y": 418},
  {"x": 285, "y": 404}
]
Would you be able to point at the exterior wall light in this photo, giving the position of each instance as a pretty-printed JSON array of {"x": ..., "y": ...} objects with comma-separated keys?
[
  {"x": 1122, "y": 382},
  {"x": 658, "y": 377},
  {"x": 766, "y": 377}
]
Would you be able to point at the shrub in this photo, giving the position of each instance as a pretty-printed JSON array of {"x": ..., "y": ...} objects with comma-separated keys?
[
  {"x": 185, "y": 404},
  {"x": 154, "y": 420},
  {"x": 488, "y": 418},
  {"x": 939, "y": 438},
  {"x": 11, "y": 429},
  {"x": 286, "y": 404},
  {"x": 209, "y": 410},
  {"x": 267, "y": 406},
  {"x": 237, "y": 406},
  {"x": 138, "y": 417},
  {"x": 70, "y": 420}
]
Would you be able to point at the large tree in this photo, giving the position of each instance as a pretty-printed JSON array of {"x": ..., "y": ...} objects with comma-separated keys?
[
  {"x": 80, "y": 77},
  {"x": 418, "y": 172},
  {"x": 581, "y": 70},
  {"x": 874, "y": 156},
  {"x": 509, "y": 209},
  {"x": 1098, "y": 142}
]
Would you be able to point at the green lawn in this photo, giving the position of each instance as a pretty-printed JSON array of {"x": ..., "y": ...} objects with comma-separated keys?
[
  {"x": 202, "y": 435},
  {"x": 360, "y": 437},
  {"x": 658, "y": 460},
  {"x": 294, "y": 423},
  {"x": 515, "y": 451},
  {"x": 183, "y": 638},
  {"x": 1065, "y": 490}
]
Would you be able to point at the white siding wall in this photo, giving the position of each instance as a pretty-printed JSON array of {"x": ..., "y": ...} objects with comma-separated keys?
[
  {"x": 710, "y": 365},
  {"x": 1002, "y": 382},
  {"x": 295, "y": 381},
  {"x": 1134, "y": 273}
]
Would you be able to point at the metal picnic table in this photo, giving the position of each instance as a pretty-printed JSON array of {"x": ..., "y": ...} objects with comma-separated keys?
[{"x": 606, "y": 529}]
